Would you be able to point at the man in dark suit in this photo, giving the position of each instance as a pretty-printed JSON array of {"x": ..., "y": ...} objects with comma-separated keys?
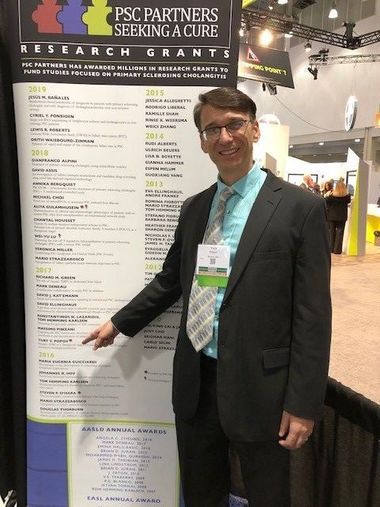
[{"x": 254, "y": 380}]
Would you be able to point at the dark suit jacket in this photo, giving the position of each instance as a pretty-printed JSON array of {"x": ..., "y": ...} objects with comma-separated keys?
[{"x": 274, "y": 327}]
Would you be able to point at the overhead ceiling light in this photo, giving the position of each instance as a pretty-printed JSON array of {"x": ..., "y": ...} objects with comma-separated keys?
[
  {"x": 282, "y": 2},
  {"x": 321, "y": 143},
  {"x": 290, "y": 146},
  {"x": 333, "y": 11},
  {"x": 308, "y": 46},
  {"x": 266, "y": 37},
  {"x": 357, "y": 140},
  {"x": 269, "y": 118}
]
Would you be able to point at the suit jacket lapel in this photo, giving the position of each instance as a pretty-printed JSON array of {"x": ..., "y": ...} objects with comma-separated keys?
[{"x": 261, "y": 212}]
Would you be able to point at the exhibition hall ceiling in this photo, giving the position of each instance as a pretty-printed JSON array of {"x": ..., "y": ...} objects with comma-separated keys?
[
  {"x": 334, "y": 151},
  {"x": 315, "y": 13}
]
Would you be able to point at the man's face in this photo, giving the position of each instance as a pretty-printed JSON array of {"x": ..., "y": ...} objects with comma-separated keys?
[{"x": 230, "y": 152}]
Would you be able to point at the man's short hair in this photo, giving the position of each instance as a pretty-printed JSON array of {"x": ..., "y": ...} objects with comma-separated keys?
[{"x": 224, "y": 98}]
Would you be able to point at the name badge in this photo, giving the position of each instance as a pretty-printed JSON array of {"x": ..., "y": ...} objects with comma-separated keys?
[{"x": 213, "y": 265}]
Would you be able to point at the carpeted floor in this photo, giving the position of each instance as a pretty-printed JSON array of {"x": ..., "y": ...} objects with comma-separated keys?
[{"x": 355, "y": 351}]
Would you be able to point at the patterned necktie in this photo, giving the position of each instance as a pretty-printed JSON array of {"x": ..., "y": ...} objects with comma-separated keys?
[{"x": 201, "y": 313}]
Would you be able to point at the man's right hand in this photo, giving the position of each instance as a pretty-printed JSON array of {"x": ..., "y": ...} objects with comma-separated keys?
[{"x": 103, "y": 335}]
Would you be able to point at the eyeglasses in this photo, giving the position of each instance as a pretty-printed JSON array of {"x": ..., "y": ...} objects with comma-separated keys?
[{"x": 213, "y": 133}]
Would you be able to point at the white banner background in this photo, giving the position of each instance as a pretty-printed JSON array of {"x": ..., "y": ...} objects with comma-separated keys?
[{"x": 104, "y": 170}]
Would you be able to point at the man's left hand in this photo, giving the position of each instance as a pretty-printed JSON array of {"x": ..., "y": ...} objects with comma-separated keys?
[{"x": 294, "y": 431}]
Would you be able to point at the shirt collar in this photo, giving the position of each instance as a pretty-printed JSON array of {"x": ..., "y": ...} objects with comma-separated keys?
[{"x": 245, "y": 184}]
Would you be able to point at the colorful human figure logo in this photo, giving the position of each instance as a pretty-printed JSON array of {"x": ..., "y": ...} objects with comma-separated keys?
[
  {"x": 73, "y": 18},
  {"x": 45, "y": 17},
  {"x": 96, "y": 18}
]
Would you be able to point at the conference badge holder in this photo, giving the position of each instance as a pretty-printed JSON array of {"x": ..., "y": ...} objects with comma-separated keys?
[{"x": 213, "y": 265}]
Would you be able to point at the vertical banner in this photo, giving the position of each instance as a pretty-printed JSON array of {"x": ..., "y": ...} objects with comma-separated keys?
[
  {"x": 104, "y": 93},
  {"x": 355, "y": 235}
]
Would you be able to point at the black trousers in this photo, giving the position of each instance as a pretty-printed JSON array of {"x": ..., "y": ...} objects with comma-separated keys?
[
  {"x": 336, "y": 229},
  {"x": 204, "y": 457}
]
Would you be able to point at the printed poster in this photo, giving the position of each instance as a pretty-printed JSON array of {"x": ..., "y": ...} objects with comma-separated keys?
[{"x": 104, "y": 93}]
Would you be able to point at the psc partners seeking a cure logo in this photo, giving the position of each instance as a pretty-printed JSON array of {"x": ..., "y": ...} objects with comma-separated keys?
[{"x": 96, "y": 17}]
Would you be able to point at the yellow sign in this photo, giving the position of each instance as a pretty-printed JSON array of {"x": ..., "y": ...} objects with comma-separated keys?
[{"x": 247, "y": 3}]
